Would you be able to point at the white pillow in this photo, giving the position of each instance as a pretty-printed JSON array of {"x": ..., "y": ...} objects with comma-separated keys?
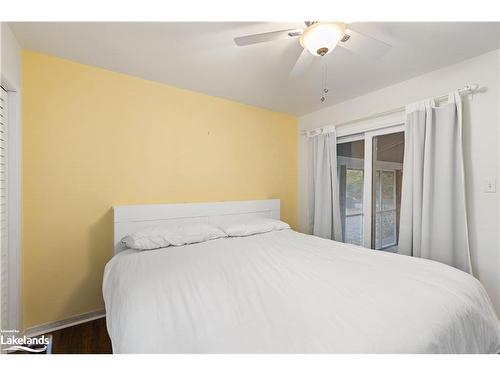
[
  {"x": 248, "y": 227},
  {"x": 171, "y": 234}
]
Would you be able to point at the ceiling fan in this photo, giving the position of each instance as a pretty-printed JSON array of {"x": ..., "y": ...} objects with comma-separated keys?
[{"x": 318, "y": 39}]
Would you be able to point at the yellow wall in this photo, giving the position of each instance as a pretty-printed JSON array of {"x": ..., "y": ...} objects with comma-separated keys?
[{"x": 94, "y": 138}]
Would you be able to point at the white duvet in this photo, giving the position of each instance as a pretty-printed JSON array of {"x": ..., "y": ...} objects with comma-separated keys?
[{"x": 286, "y": 292}]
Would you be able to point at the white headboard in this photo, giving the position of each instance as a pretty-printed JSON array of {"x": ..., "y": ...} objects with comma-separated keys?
[{"x": 128, "y": 219}]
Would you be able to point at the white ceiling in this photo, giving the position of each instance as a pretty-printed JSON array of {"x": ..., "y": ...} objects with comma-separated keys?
[{"x": 203, "y": 57}]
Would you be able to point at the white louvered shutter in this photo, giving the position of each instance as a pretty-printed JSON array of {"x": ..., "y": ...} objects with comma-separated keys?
[{"x": 3, "y": 209}]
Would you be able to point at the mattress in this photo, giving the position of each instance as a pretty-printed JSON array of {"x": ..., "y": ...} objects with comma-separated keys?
[{"x": 287, "y": 292}]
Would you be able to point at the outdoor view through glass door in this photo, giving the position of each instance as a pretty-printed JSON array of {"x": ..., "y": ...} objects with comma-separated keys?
[
  {"x": 370, "y": 171},
  {"x": 350, "y": 170},
  {"x": 388, "y": 152}
]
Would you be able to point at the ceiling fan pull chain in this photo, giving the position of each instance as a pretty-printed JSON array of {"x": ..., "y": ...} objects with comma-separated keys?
[{"x": 324, "y": 89}]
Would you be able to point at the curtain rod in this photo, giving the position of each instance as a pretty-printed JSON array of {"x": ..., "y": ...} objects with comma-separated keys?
[{"x": 467, "y": 89}]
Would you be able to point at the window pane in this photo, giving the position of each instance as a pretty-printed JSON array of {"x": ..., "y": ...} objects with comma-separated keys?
[
  {"x": 388, "y": 190},
  {"x": 350, "y": 162},
  {"x": 377, "y": 190},
  {"x": 354, "y": 230},
  {"x": 354, "y": 191},
  {"x": 377, "y": 231},
  {"x": 388, "y": 228},
  {"x": 388, "y": 153}
]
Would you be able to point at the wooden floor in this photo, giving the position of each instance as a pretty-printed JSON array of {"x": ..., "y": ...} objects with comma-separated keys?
[{"x": 86, "y": 338}]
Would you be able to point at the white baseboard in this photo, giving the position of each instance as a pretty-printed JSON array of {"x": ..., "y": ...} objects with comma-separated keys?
[{"x": 73, "y": 321}]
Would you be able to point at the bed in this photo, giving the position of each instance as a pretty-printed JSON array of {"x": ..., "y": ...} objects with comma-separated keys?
[{"x": 284, "y": 292}]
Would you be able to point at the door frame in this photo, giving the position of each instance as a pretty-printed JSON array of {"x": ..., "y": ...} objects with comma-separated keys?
[{"x": 13, "y": 320}]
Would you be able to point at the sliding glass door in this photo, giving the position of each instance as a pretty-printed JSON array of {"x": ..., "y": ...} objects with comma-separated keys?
[
  {"x": 370, "y": 171},
  {"x": 350, "y": 170},
  {"x": 388, "y": 152}
]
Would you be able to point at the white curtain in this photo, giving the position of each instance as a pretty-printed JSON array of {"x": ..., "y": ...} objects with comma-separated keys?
[
  {"x": 324, "y": 208},
  {"x": 433, "y": 221}
]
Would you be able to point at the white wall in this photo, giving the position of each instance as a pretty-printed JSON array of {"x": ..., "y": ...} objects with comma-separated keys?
[
  {"x": 481, "y": 148},
  {"x": 10, "y": 76},
  {"x": 10, "y": 58}
]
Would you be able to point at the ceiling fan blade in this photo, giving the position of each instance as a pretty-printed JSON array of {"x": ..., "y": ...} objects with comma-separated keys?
[
  {"x": 303, "y": 62},
  {"x": 364, "y": 45},
  {"x": 267, "y": 37}
]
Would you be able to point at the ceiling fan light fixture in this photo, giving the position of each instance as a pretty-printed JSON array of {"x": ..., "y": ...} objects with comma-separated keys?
[{"x": 321, "y": 37}]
